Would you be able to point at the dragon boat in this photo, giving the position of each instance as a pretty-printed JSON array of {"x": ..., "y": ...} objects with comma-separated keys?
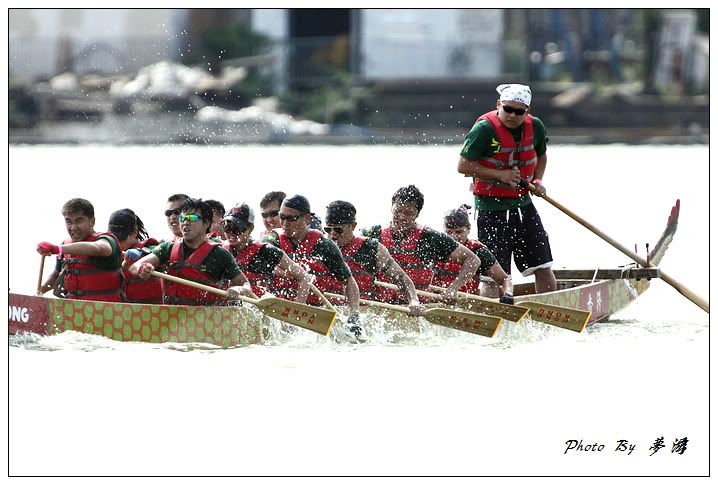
[{"x": 598, "y": 293}]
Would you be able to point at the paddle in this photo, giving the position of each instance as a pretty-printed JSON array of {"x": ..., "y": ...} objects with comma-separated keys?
[
  {"x": 312, "y": 318},
  {"x": 475, "y": 323},
  {"x": 682, "y": 289},
  {"x": 326, "y": 301},
  {"x": 39, "y": 276},
  {"x": 558, "y": 316}
]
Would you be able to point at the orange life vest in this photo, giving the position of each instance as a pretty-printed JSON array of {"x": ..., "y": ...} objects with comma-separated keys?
[
  {"x": 138, "y": 290},
  {"x": 405, "y": 255},
  {"x": 302, "y": 255},
  {"x": 191, "y": 269},
  {"x": 364, "y": 279},
  {"x": 244, "y": 259},
  {"x": 509, "y": 155},
  {"x": 82, "y": 279},
  {"x": 446, "y": 271}
]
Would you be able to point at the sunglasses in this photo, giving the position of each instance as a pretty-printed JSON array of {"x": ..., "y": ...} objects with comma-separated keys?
[
  {"x": 233, "y": 228},
  {"x": 338, "y": 230},
  {"x": 510, "y": 110},
  {"x": 291, "y": 218},
  {"x": 266, "y": 215},
  {"x": 170, "y": 212},
  {"x": 189, "y": 217}
]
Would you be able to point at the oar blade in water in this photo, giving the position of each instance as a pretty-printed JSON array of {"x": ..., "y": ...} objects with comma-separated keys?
[
  {"x": 477, "y": 323},
  {"x": 316, "y": 319},
  {"x": 507, "y": 312},
  {"x": 558, "y": 316}
]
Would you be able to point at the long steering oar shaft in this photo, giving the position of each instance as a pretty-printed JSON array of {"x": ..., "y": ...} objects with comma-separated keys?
[
  {"x": 681, "y": 288},
  {"x": 316, "y": 319}
]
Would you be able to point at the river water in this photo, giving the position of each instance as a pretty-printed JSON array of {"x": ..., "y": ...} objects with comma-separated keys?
[{"x": 447, "y": 403}]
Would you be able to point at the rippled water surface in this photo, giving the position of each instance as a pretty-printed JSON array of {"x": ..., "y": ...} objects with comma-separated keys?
[{"x": 430, "y": 402}]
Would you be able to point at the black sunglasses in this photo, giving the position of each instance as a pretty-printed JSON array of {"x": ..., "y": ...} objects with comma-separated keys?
[
  {"x": 274, "y": 213},
  {"x": 291, "y": 218},
  {"x": 510, "y": 110},
  {"x": 170, "y": 212},
  {"x": 338, "y": 230},
  {"x": 231, "y": 228}
]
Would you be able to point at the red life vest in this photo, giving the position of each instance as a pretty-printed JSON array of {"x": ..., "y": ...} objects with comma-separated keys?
[
  {"x": 138, "y": 290},
  {"x": 446, "y": 271},
  {"x": 191, "y": 269},
  {"x": 508, "y": 156},
  {"x": 82, "y": 279},
  {"x": 364, "y": 279},
  {"x": 405, "y": 255},
  {"x": 244, "y": 259},
  {"x": 302, "y": 255}
]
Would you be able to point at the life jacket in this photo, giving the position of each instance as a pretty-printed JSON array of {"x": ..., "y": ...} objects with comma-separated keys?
[
  {"x": 82, "y": 279},
  {"x": 405, "y": 255},
  {"x": 138, "y": 290},
  {"x": 445, "y": 272},
  {"x": 191, "y": 268},
  {"x": 244, "y": 259},
  {"x": 364, "y": 279},
  {"x": 302, "y": 255},
  {"x": 509, "y": 155}
]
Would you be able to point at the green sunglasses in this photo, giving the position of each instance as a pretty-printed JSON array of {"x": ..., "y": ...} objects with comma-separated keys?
[{"x": 189, "y": 217}]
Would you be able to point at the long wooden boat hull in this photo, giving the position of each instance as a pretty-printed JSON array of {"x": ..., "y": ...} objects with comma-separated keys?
[
  {"x": 231, "y": 326},
  {"x": 224, "y": 326},
  {"x": 602, "y": 298}
]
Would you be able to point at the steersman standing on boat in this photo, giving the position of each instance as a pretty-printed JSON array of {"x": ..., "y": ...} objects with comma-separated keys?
[
  {"x": 89, "y": 264},
  {"x": 194, "y": 258},
  {"x": 504, "y": 151}
]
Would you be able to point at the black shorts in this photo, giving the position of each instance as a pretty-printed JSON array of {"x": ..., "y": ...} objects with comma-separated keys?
[{"x": 518, "y": 231}]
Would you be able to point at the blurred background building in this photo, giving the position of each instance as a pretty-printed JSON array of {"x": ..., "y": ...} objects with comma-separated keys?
[{"x": 363, "y": 74}]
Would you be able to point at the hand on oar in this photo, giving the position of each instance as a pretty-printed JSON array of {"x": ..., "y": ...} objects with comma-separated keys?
[{"x": 234, "y": 292}]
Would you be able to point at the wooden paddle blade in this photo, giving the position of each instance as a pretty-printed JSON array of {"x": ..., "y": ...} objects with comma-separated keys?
[
  {"x": 558, "y": 316},
  {"x": 513, "y": 313},
  {"x": 483, "y": 325},
  {"x": 316, "y": 319}
]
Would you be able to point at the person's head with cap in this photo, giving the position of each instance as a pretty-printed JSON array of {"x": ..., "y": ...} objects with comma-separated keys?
[
  {"x": 238, "y": 224},
  {"x": 513, "y": 104},
  {"x": 340, "y": 222},
  {"x": 127, "y": 227},
  {"x": 457, "y": 223},
  {"x": 406, "y": 204},
  {"x": 295, "y": 214}
]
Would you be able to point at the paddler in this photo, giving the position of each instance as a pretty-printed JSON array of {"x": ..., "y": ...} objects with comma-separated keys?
[
  {"x": 215, "y": 230},
  {"x": 415, "y": 247},
  {"x": 194, "y": 258},
  {"x": 504, "y": 151},
  {"x": 366, "y": 257},
  {"x": 89, "y": 263},
  {"x": 134, "y": 240},
  {"x": 490, "y": 280},
  {"x": 269, "y": 210},
  {"x": 318, "y": 255},
  {"x": 172, "y": 212},
  {"x": 259, "y": 261}
]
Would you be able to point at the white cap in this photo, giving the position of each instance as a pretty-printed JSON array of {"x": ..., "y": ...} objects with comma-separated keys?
[{"x": 515, "y": 92}]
